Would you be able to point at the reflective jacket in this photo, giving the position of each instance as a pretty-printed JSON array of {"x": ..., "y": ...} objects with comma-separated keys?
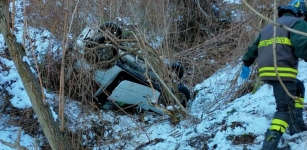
[{"x": 287, "y": 53}]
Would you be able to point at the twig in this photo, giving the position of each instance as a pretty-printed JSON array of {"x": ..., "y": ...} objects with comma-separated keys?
[
  {"x": 154, "y": 141},
  {"x": 217, "y": 38},
  {"x": 274, "y": 57},
  {"x": 9, "y": 19},
  {"x": 129, "y": 107},
  {"x": 198, "y": 4},
  {"x": 274, "y": 45},
  {"x": 17, "y": 143},
  {"x": 13, "y": 145},
  {"x": 24, "y": 27},
  {"x": 167, "y": 88},
  {"x": 35, "y": 144},
  {"x": 159, "y": 78},
  {"x": 37, "y": 69},
  {"x": 13, "y": 16},
  {"x": 5, "y": 86},
  {"x": 62, "y": 81},
  {"x": 272, "y": 22},
  {"x": 18, "y": 136},
  {"x": 33, "y": 55},
  {"x": 151, "y": 86}
]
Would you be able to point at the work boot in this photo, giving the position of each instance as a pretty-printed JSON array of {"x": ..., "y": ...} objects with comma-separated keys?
[
  {"x": 271, "y": 140},
  {"x": 297, "y": 124}
]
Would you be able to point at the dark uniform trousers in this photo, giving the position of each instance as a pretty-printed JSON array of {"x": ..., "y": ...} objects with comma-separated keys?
[{"x": 288, "y": 111}]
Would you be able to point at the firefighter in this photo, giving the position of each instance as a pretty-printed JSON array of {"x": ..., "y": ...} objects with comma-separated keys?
[{"x": 289, "y": 48}]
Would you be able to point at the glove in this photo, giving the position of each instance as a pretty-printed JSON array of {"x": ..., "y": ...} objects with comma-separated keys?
[{"x": 245, "y": 72}]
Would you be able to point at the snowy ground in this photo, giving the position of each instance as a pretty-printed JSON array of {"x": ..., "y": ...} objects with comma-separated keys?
[{"x": 248, "y": 115}]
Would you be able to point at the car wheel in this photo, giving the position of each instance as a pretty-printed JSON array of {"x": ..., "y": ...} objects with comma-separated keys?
[
  {"x": 184, "y": 95},
  {"x": 106, "y": 54},
  {"x": 178, "y": 69},
  {"x": 113, "y": 28}
]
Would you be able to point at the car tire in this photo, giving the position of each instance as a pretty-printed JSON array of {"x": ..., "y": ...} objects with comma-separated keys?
[
  {"x": 113, "y": 28},
  {"x": 184, "y": 94},
  {"x": 104, "y": 54},
  {"x": 178, "y": 69}
]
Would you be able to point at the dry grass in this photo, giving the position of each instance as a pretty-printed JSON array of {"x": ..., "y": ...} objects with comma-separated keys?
[{"x": 203, "y": 40}]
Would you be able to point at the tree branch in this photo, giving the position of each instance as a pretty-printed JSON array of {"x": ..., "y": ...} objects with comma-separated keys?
[
  {"x": 272, "y": 22},
  {"x": 17, "y": 143}
]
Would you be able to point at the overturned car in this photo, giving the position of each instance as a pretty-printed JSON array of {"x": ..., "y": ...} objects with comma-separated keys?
[{"x": 122, "y": 75}]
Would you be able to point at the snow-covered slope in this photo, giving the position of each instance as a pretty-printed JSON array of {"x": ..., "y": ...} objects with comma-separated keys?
[{"x": 213, "y": 124}]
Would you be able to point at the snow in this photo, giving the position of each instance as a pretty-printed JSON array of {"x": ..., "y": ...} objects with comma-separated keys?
[
  {"x": 2, "y": 47},
  {"x": 16, "y": 89},
  {"x": 55, "y": 115},
  {"x": 9, "y": 134},
  {"x": 26, "y": 59},
  {"x": 233, "y": 1},
  {"x": 210, "y": 116}
]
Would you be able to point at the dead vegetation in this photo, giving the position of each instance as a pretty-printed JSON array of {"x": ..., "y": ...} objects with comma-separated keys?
[
  {"x": 200, "y": 35},
  {"x": 195, "y": 33},
  {"x": 242, "y": 139}
]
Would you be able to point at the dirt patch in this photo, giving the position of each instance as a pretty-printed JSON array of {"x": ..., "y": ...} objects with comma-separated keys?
[
  {"x": 25, "y": 119},
  {"x": 236, "y": 124},
  {"x": 200, "y": 142},
  {"x": 232, "y": 126},
  {"x": 242, "y": 139}
]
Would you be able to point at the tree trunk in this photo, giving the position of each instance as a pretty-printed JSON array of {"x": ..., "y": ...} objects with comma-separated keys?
[{"x": 56, "y": 139}]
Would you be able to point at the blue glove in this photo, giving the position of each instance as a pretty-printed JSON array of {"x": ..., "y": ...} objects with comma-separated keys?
[{"x": 245, "y": 72}]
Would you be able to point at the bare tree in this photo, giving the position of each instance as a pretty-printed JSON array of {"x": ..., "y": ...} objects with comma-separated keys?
[{"x": 56, "y": 139}]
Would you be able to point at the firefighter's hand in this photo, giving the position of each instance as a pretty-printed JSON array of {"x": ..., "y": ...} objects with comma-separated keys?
[{"x": 245, "y": 72}]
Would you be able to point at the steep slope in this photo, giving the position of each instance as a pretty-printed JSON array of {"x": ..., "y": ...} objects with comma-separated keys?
[{"x": 215, "y": 122}]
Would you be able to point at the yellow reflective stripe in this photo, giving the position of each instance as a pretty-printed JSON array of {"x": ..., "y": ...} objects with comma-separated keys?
[
  {"x": 298, "y": 4},
  {"x": 280, "y": 122},
  {"x": 271, "y": 136},
  {"x": 278, "y": 128},
  {"x": 280, "y": 74},
  {"x": 298, "y": 103},
  {"x": 279, "y": 40},
  {"x": 278, "y": 69},
  {"x": 300, "y": 100}
]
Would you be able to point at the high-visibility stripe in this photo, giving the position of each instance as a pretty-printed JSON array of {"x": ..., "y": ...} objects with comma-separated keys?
[
  {"x": 278, "y": 128},
  {"x": 297, "y": 4},
  {"x": 278, "y": 69},
  {"x": 280, "y": 122},
  {"x": 271, "y": 136},
  {"x": 298, "y": 103},
  {"x": 300, "y": 100},
  {"x": 279, "y": 125},
  {"x": 280, "y": 74},
  {"x": 278, "y": 40}
]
